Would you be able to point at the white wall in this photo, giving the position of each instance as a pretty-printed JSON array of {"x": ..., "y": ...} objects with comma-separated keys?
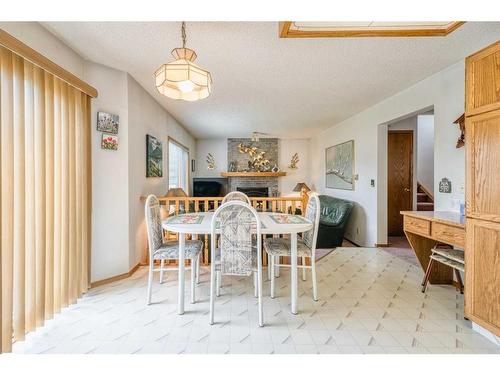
[
  {"x": 287, "y": 147},
  {"x": 146, "y": 116},
  {"x": 445, "y": 92},
  {"x": 44, "y": 42},
  {"x": 425, "y": 151},
  {"x": 218, "y": 148},
  {"x": 110, "y": 176}
]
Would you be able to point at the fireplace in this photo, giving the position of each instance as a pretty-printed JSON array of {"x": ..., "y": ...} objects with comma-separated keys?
[{"x": 254, "y": 191}]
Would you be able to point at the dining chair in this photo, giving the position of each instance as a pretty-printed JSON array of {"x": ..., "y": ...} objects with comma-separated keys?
[
  {"x": 236, "y": 196},
  {"x": 306, "y": 246},
  {"x": 162, "y": 250},
  {"x": 239, "y": 254}
]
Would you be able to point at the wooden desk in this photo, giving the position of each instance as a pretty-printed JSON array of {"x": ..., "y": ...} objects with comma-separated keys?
[{"x": 424, "y": 229}]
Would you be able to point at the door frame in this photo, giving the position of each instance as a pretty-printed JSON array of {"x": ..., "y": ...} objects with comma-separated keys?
[{"x": 411, "y": 132}]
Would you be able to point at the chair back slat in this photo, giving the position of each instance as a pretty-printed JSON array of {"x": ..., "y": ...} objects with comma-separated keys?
[
  {"x": 312, "y": 213},
  {"x": 153, "y": 223},
  {"x": 236, "y": 196},
  {"x": 238, "y": 223}
]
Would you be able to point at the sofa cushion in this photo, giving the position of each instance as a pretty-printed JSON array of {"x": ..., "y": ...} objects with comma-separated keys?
[{"x": 334, "y": 211}]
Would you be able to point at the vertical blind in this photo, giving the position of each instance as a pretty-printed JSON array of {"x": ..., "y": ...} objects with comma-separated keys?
[{"x": 45, "y": 192}]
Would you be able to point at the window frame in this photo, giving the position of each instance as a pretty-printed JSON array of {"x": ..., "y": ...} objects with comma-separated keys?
[{"x": 188, "y": 174}]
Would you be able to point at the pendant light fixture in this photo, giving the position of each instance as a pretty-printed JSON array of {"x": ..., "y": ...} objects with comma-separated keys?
[{"x": 181, "y": 78}]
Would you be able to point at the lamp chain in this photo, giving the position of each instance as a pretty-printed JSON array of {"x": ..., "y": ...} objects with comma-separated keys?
[{"x": 183, "y": 31}]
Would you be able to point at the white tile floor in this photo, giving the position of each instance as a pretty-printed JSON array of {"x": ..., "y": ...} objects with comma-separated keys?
[{"x": 369, "y": 302}]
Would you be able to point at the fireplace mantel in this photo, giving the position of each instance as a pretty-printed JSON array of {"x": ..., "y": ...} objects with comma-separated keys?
[{"x": 253, "y": 174}]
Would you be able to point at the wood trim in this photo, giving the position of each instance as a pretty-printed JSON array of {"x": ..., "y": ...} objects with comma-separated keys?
[
  {"x": 115, "y": 278},
  {"x": 382, "y": 245},
  {"x": 285, "y": 28},
  {"x": 286, "y": 32},
  {"x": 28, "y": 53},
  {"x": 253, "y": 174},
  {"x": 429, "y": 194}
]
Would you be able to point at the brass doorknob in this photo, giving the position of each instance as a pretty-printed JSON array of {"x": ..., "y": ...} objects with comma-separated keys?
[{"x": 407, "y": 190}]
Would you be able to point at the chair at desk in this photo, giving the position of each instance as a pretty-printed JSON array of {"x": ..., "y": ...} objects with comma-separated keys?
[{"x": 445, "y": 254}]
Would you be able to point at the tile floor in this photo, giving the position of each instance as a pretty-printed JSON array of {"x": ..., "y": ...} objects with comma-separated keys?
[{"x": 370, "y": 302}]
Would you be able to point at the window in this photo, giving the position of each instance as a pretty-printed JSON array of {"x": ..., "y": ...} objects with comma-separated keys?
[{"x": 178, "y": 164}]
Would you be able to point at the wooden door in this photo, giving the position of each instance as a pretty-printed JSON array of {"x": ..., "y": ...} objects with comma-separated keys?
[
  {"x": 399, "y": 179},
  {"x": 482, "y": 273},
  {"x": 482, "y": 86}
]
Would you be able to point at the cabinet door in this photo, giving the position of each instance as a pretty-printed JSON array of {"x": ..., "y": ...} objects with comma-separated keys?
[
  {"x": 482, "y": 274},
  {"x": 482, "y": 80},
  {"x": 483, "y": 166}
]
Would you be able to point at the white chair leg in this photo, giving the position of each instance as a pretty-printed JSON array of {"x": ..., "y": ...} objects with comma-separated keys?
[
  {"x": 218, "y": 282},
  {"x": 303, "y": 269},
  {"x": 271, "y": 265},
  {"x": 276, "y": 267},
  {"x": 162, "y": 262},
  {"x": 150, "y": 281},
  {"x": 259, "y": 287},
  {"x": 255, "y": 286},
  {"x": 193, "y": 280},
  {"x": 313, "y": 276},
  {"x": 269, "y": 268},
  {"x": 198, "y": 268},
  {"x": 212, "y": 291}
]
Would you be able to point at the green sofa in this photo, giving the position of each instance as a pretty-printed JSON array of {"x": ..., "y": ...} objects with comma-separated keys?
[{"x": 333, "y": 219}]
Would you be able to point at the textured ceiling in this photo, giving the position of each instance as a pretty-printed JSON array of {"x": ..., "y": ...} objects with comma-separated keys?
[{"x": 286, "y": 87}]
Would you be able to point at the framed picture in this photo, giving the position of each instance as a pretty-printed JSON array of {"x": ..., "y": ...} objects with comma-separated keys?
[
  {"x": 109, "y": 142},
  {"x": 340, "y": 166},
  {"x": 154, "y": 157},
  {"x": 107, "y": 123}
]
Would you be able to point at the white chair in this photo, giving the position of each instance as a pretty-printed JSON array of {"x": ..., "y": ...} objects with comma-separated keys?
[
  {"x": 239, "y": 254},
  {"x": 236, "y": 196},
  {"x": 162, "y": 250},
  {"x": 306, "y": 246}
]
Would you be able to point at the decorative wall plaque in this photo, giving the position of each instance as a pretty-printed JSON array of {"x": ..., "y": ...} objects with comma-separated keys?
[{"x": 445, "y": 186}]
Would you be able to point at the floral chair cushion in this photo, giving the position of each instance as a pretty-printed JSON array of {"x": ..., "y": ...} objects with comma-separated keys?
[
  {"x": 283, "y": 247},
  {"x": 170, "y": 250}
]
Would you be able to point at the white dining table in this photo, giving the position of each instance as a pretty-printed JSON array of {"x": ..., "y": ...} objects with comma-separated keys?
[{"x": 272, "y": 223}]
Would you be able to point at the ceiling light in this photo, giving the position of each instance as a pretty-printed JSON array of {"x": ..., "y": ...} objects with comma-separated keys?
[{"x": 181, "y": 78}]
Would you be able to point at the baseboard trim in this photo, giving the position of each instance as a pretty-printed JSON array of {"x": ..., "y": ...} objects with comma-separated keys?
[
  {"x": 354, "y": 243},
  {"x": 382, "y": 245},
  {"x": 115, "y": 278}
]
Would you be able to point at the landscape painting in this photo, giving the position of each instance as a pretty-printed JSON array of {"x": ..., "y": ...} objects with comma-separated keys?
[
  {"x": 340, "y": 166},
  {"x": 107, "y": 123},
  {"x": 154, "y": 157}
]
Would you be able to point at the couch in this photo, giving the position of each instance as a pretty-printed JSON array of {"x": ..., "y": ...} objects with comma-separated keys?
[{"x": 333, "y": 219}]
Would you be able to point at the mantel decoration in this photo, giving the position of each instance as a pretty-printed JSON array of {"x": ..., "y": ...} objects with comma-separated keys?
[
  {"x": 211, "y": 162},
  {"x": 461, "y": 123},
  {"x": 257, "y": 162},
  {"x": 154, "y": 157},
  {"x": 181, "y": 78},
  {"x": 294, "y": 161},
  {"x": 340, "y": 166}
]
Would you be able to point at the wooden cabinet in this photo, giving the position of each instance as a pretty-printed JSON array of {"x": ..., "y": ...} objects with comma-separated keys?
[
  {"x": 482, "y": 128},
  {"x": 482, "y": 80},
  {"x": 483, "y": 165},
  {"x": 482, "y": 273}
]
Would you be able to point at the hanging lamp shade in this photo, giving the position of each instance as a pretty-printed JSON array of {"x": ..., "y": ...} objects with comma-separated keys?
[{"x": 182, "y": 79}]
